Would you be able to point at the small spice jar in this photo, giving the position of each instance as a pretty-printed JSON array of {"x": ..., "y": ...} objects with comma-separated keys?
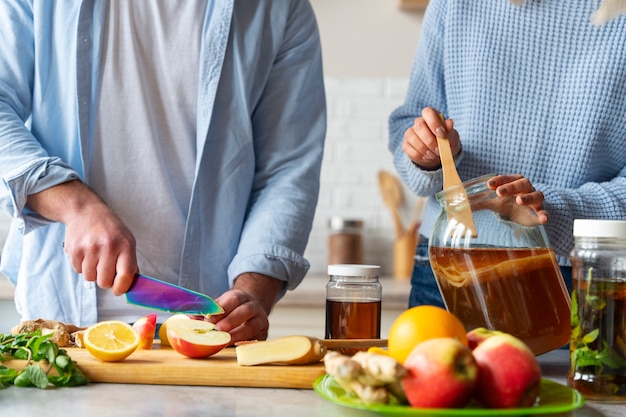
[
  {"x": 598, "y": 339},
  {"x": 345, "y": 244},
  {"x": 353, "y": 302}
]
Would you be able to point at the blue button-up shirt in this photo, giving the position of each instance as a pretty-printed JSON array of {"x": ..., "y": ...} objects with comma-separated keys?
[{"x": 261, "y": 122}]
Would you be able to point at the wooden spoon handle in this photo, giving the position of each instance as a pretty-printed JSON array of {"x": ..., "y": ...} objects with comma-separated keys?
[{"x": 450, "y": 174}]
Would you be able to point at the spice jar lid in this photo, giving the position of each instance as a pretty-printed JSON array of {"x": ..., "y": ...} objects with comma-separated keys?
[
  {"x": 340, "y": 223},
  {"x": 599, "y": 228},
  {"x": 353, "y": 270}
]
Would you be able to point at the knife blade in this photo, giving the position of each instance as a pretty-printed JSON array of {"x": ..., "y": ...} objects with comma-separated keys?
[{"x": 159, "y": 295}]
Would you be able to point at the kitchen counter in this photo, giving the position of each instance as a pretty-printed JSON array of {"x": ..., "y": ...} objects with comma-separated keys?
[{"x": 129, "y": 400}]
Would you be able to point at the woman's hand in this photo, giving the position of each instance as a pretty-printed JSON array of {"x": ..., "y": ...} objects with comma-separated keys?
[
  {"x": 420, "y": 140},
  {"x": 525, "y": 194}
]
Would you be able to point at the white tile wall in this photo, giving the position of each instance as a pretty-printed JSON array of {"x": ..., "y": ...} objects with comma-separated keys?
[{"x": 356, "y": 149}]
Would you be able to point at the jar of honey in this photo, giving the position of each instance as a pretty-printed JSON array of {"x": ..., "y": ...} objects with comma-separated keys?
[
  {"x": 503, "y": 277},
  {"x": 598, "y": 337},
  {"x": 353, "y": 303}
]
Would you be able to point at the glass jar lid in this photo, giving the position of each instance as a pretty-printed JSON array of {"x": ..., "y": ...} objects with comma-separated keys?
[
  {"x": 600, "y": 228},
  {"x": 350, "y": 270}
]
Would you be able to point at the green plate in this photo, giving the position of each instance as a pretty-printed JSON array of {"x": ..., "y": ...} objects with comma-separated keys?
[{"x": 553, "y": 398}]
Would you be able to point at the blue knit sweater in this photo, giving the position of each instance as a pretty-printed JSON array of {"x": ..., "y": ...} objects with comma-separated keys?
[{"x": 536, "y": 90}]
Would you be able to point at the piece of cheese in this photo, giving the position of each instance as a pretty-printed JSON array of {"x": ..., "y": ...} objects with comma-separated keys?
[{"x": 288, "y": 350}]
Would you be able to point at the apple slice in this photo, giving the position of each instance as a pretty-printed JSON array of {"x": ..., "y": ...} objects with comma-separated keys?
[
  {"x": 196, "y": 338},
  {"x": 163, "y": 328},
  {"x": 145, "y": 327}
]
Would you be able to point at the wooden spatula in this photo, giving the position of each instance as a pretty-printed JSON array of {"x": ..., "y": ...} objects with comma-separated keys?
[
  {"x": 461, "y": 212},
  {"x": 391, "y": 190}
]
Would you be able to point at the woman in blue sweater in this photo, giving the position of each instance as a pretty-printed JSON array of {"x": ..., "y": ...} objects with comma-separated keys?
[{"x": 528, "y": 87}]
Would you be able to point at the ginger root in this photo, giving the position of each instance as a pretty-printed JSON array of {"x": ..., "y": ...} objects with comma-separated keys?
[
  {"x": 372, "y": 377},
  {"x": 62, "y": 333}
]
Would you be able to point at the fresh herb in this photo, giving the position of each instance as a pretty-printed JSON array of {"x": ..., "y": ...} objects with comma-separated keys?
[
  {"x": 589, "y": 351},
  {"x": 37, "y": 349}
]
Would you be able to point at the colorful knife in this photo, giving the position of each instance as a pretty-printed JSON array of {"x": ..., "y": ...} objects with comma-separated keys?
[{"x": 163, "y": 296}]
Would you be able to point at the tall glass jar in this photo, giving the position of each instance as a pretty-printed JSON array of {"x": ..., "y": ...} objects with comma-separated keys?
[
  {"x": 506, "y": 277},
  {"x": 353, "y": 302},
  {"x": 598, "y": 341}
]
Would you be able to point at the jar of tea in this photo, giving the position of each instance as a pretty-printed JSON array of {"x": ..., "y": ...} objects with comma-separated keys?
[
  {"x": 353, "y": 302},
  {"x": 598, "y": 338},
  {"x": 505, "y": 275}
]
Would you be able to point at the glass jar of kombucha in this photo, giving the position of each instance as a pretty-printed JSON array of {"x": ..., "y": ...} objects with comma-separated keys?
[
  {"x": 506, "y": 276},
  {"x": 598, "y": 337},
  {"x": 353, "y": 302}
]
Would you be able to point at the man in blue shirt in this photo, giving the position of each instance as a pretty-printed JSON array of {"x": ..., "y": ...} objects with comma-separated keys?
[{"x": 180, "y": 139}]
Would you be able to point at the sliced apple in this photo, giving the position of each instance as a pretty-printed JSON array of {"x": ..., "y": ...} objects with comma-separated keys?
[
  {"x": 163, "y": 328},
  {"x": 145, "y": 327},
  {"x": 196, "y": 338}
]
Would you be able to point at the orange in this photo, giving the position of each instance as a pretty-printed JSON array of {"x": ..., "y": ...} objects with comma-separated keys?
[
  {"x": 421, "y": 323},
  {"x": 111, "y": 341}
]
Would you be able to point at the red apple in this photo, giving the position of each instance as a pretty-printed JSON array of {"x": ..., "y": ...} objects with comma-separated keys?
[
  {"x": 145, "y": 327},
  {"x": 478, "y": 335},
  {"x": 509, "y": 374},
  {"x": 441, "y": 374},
  {"x": 196, "y": 338}
]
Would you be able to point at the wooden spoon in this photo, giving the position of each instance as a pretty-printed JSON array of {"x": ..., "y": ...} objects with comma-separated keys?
[
  {"x": 461, "y": 212},
  {"x": 391, "y": 190}
]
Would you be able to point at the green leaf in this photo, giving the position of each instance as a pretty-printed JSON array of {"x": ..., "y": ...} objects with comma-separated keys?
[
  {"x": 32, "y": 376},
  {"x": 62, "y": 361},
  {"x": 583, "y": 357},
  {"x": 595, "y": 302},
  {"x": 591, "y": 336},
  {"x": 7, "y": 375},
  {"x": 611, "y": 358}
]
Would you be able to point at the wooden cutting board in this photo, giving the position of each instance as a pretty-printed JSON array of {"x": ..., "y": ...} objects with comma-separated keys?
[{"x": 164, "y": 366}]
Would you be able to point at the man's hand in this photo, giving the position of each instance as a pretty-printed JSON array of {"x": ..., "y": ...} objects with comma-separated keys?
[
  {"x": 98, "y": 244},
  {"x": 247, "y": 307}
]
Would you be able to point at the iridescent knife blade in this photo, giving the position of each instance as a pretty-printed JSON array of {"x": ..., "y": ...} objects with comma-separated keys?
[{"x": 159, "y": 295}]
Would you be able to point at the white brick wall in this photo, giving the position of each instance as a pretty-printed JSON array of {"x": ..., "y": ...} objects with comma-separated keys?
[{"x": 356, "y": 149}]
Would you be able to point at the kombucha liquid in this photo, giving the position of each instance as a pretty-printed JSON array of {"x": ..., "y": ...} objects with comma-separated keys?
[
  {"x": 352, "y": 320},
  {"x": 517, "y": 291}
]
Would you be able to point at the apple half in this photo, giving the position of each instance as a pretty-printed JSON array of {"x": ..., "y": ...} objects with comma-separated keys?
[{"x": 196, "y": 338}]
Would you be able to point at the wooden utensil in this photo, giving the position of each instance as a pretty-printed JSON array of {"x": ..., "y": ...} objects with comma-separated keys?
[
  {"x": 391, "y": 190},
  {"x": 461, "y": 211}
]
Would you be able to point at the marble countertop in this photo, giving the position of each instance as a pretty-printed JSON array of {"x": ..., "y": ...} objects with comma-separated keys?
[{"x": 129, "y": 400}]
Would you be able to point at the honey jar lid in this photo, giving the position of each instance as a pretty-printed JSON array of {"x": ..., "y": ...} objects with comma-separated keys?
[
  {"x": 353, "y": 270},
  {"x": 599, "y": 228}
]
